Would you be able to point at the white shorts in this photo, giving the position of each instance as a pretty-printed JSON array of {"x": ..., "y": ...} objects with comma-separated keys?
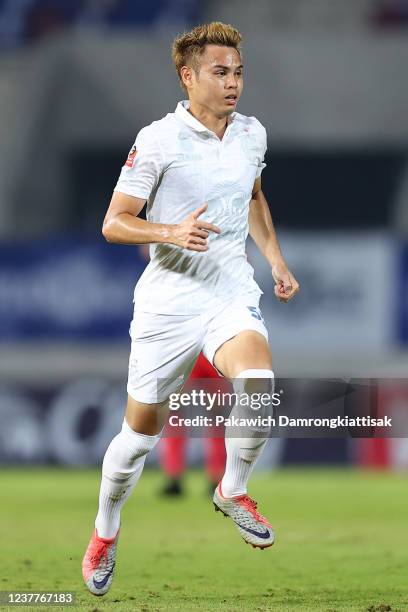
[{"x": 165, "y": 347}]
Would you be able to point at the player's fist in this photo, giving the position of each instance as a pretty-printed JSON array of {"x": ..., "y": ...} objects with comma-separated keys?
[
  {"x": 286, "y": 284},
  {"x": 193, "y": 232}
]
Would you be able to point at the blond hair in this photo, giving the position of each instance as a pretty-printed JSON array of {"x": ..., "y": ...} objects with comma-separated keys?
[{"x": 188, "y": 48}]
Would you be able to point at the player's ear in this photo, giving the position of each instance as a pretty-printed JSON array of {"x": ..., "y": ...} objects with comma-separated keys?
[{"x": 186, "y": 73}]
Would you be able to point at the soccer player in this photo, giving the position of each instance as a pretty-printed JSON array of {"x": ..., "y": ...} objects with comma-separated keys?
[{"x": 199, "y": 170}]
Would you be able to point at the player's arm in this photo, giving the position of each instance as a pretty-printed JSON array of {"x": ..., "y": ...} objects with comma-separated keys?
[
  {"x": 262, "y": 230},
  {"x": 123, "y": 226}
]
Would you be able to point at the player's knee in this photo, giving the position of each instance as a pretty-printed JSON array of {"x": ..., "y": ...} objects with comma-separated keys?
[
  {"x": 255, "y": 381},
  {"x": 254, "y": 389}
]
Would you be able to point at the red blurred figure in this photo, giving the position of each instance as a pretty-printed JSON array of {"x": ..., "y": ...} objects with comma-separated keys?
[{"x": 173, "y": 450}]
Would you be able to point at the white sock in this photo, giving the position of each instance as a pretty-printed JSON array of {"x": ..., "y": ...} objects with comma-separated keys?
[
  {"x": 243, "y": 452},
  {"x": 122, "y": 466}
]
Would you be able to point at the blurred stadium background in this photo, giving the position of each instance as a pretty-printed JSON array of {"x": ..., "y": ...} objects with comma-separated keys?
[{"x": 78, "y": 79}]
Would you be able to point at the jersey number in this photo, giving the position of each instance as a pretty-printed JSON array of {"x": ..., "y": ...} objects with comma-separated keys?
[{"x": 256, "y": 313}]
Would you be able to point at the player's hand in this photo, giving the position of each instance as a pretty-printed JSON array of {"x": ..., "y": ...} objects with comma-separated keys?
[
  {"x": 286, "y": 284},
  {"x": 193, "y": 232}
]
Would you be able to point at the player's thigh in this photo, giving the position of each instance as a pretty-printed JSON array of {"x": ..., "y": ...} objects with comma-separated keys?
[
  {"x": 163, "y": 352},
  {"x": 236, "y": 339},
  {"x": 148, "y": 419},
  {"x": 247, "y": 350}
]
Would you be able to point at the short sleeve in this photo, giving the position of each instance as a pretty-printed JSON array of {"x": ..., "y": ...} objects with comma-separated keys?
[
  {"x": 264, "y": 146},
  {"x": 143, "y": 167}
]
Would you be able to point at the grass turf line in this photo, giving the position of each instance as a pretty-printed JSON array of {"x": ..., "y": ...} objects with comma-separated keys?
[{"x": 342, "y": 543}]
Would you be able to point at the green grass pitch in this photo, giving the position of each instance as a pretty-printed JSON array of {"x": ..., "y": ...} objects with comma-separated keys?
[{"x": 342, "y": 543}]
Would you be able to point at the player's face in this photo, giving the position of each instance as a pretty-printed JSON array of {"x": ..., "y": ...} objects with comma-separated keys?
[{"x": 219, "y": 82}]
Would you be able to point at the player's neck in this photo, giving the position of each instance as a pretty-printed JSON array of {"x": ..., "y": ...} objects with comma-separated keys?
[{"x": 218, "y": 125}]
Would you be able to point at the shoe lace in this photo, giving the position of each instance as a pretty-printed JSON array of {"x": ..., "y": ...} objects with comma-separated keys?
[
  {"x": 251, "y": 505},
  {"x": 98, "y": 552}
]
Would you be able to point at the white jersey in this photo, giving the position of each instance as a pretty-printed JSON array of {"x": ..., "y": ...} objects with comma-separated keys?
[{"x": 177, "y": 164}]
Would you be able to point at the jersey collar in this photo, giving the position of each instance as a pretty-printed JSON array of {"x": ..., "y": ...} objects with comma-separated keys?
[{"x": 183, "y": 114}]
